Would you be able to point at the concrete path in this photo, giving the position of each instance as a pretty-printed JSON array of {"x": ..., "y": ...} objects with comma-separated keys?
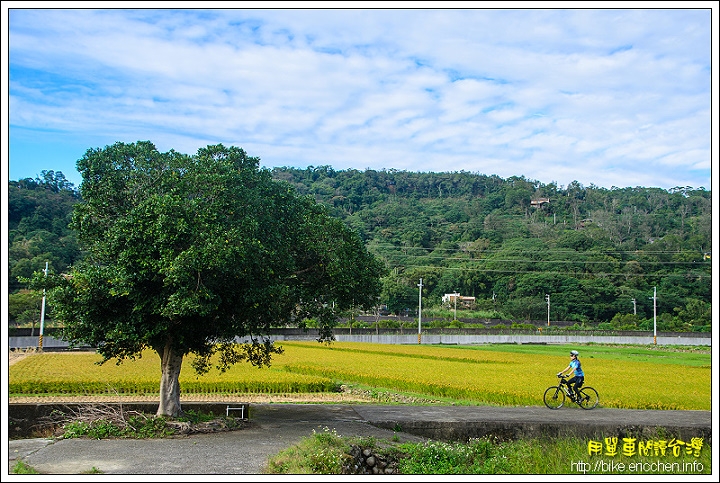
[{"x": 274, "y": 427}]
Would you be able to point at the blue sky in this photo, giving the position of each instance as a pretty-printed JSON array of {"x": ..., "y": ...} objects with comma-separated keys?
[{"x": 602, "y": 96}]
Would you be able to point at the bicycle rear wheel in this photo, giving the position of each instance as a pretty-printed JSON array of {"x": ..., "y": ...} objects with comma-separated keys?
[
  {"x": 589, "y": 398},
  {"x": 554, "y": 397}
]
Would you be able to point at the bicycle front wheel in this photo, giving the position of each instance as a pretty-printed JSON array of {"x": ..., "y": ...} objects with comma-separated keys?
[
  {"x": 554, "y": 397},
  {"x": 589, "y": 398}
]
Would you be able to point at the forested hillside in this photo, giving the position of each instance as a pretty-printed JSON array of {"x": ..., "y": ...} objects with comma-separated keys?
[
  {"x": 510, "y": 243},
  {"x": 39, "y": 211},
  {"x": 596, "y": 254}
]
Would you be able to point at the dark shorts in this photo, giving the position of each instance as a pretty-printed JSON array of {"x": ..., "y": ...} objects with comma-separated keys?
[{"x": 577, "y": 380}]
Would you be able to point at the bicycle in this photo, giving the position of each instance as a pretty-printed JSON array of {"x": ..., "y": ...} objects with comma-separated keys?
[{"x": 554, "y": 396}]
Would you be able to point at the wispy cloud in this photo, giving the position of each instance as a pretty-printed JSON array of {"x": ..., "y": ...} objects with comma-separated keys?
[{"x": 611, "y": 97}]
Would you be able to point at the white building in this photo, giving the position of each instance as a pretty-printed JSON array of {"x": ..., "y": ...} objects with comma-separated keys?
[{"x": 450, "y": 298}]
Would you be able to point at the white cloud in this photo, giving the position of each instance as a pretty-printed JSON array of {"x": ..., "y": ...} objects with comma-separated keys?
[{"x": 600, "y": 96}]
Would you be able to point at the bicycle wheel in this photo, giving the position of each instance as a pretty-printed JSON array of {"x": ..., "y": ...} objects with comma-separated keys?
[
  {"x": 554, "y": 397},
  {"x": 589, "y": 398}
]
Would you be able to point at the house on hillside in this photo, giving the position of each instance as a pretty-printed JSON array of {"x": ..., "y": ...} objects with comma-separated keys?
[
  {"x": 537, "y": 203},
  {"x": 465, "y": 302}
]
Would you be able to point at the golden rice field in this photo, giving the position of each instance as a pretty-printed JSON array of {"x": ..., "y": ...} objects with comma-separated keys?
[{"x": 483, "y": 374}]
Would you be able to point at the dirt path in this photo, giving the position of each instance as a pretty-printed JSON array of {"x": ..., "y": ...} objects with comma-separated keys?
[
  {"x": 335, "y": 398},
  {"x": 15, "y": 356}
]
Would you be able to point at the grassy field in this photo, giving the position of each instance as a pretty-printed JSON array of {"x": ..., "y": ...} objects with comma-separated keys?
[{"x": 634, "y": 377}]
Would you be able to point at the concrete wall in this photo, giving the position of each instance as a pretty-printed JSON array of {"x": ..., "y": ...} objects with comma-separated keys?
[
  {"x": 444, "y": 336},
  {"x": 33, "y": 342},
  {"x": 522, "y": 339},
  {"x": 34, "y": 420},
  {"x": 694, "y": 339}
]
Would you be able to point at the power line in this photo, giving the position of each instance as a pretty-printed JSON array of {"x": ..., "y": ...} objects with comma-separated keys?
[
  {"x": 534, "y": 260},
  {"x": 550, "y": 250},
  {"x": 546, "y": 272}
]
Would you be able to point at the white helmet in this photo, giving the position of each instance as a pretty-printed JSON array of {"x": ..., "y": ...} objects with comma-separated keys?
[{"x": 574, "y": 353}]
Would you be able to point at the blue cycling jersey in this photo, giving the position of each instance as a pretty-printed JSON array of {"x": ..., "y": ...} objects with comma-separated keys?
[{"x": 577, "y": 367}]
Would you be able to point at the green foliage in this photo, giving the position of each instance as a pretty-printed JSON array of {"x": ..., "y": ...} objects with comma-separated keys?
[
  {"x": 186, "y": 253},
  {"x": 137, "y": 426},
  {"x": 696, "y": 313},
  {"x": 624, "y": 322},
  {"x": 22, "y": 468},
  {"x": 39, "y": 211},
  {"x": 196, "y": 416},
  {"x": 585, "y": 247},
  {"x": 398, "y": 295},
  {"x": 93, "y": 471},
  {"x": 478, "y": 456},
  {"x": 24, "y": 309},
  {"x": 162, "y": 257},
  {"x": 437, "y": 324},
  {"x": 322, "y": 453},
  {"x": 86, "y": 424},
  {"x": 155, "y": 427},
  {"x": 389, "y": 323},
  {"x": 98, "y": 429}
]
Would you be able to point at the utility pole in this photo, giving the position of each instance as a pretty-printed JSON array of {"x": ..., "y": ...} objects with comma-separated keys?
[
  {"x": 634, "y": 306},
  {"x": 654, "y": 297},
  {"x": 377, "y": 317},
  {"x": 420, "y": 285},
  {"x": 42, "y": 314},
  {"x": 547, "y": 297},
  {"x": 456, "y": 294}
]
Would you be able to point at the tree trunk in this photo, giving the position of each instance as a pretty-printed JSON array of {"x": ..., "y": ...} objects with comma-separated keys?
[{"x": 170, "y": 365}]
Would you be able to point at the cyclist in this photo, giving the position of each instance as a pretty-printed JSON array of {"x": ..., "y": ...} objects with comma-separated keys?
[{"x": 579, "y": 376}]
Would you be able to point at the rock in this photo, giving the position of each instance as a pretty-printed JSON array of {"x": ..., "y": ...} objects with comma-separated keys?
[{"x": 365, "y": 462}]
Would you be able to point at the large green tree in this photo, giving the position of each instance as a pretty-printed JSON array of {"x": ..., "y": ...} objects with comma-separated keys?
[{"x": 201, "y": 255}]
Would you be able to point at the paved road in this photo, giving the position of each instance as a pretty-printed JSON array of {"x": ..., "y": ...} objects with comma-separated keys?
[{"x": 274, "y": 427}]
